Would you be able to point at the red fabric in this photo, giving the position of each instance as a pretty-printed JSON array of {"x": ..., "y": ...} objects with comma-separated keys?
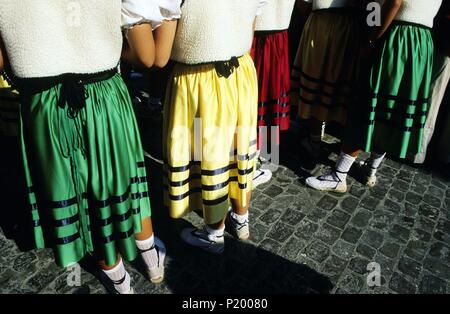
[{"x": 270, "y": 53}]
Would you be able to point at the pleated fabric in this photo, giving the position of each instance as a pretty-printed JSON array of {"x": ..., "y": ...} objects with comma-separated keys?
[
  {"x": 397, "y": 104},
  {"x": 326, "y": 66},
  {"x": 209, "y": 138},
  {"x": 85, "y": 175},
  {"x": 270, "y": 52}
]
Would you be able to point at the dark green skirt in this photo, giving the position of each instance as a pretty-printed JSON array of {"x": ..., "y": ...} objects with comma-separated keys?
[
  {"x": 391, "y": 116},
  {"x": 86, "y": 178}
]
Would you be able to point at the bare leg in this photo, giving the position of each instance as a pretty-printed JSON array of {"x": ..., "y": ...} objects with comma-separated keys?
[
  {"x": 103, "y": 265},
  {"x": 237, "y": 208},
  {"x": 152, "y": 251},
  {"x": 218, "y": 226},
  {"x": 147, "y": 230},
  {"x": 350, "y": 150}
]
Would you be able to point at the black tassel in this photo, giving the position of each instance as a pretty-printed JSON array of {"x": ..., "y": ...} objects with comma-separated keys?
[{"x": 73, "y": 94}]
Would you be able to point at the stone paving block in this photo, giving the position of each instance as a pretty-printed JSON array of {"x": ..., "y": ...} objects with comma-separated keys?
[
  {"x": 410, "y": 210},
  {"x": 401, "y": 285},
  {"x": 401, "y": 185},
  {"x": 334, "y": 265},
  {"x": 343, "y": 249},
  {"x": 338, "y": 219},
  {"x": 358, "y": 191},
  {"x": 270, "y": 216},
  {"x": 352, "y": 234},
  {"x": 436, "y": 191},
  {"x": 306, "y": 229},
  {"x": 361, "y": 218},
  {"x": 400, "y": 233},
  {"x": 351, "y": 282},
  {"x": 438, "y": 183},
  {"x": 406, "y": 175},
  {"x": 390, "y": 249},
  {"x": 280, "y": 232},
  {"x": 359, "y": 265},
  {"x": 416, "y": 249},
  {"x": 292, "y": 217},
  {"x": 378, "y": 192},
  {"x": 432, "y": 285},
  {"x": 396, "y": 196},
  {"x": 317, "y": 251},
  {"x": 432, "y": 200},
  {"x": 292, "y": 248},
  {"x": 392, "y": 206},
  {"x": 409, "y": 267},
  {"x": 273, "y": 191},
  {"x": 327, "y": 202},
  {"x": 382, "y": 220},
  {"x": 437, "y": 267},
  {"x": 349, "y": 204},
  {"x": 317, "y": 214},
  {"x": 270, "y": 245},
  {"x": 328, "y": 234},
  {"x": 372, "y": 238},
  {"x": 366, "y": 251},
  {"x": 413, "y": 198},
  {"x": 440, "y": 251}
]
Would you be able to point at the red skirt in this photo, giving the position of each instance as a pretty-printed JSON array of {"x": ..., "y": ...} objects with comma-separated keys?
[{"x": 270, "y": 52}]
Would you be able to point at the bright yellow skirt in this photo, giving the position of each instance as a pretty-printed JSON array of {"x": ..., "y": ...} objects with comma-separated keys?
[{"x": 209, "y": 138}]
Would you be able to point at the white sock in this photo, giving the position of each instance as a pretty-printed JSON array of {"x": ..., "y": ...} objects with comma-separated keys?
[
  {"x": 149, "y": 256},
  {"x": 343, "y": 165},
  {"x": 120, "y": 277},
  {"x": 240, "y": 218},
  {"x": 215, "y": 232},
  {"x": 374, "y": 162}
]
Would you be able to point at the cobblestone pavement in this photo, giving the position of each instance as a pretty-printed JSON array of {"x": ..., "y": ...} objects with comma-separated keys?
[{"x": 302, "y": 241}]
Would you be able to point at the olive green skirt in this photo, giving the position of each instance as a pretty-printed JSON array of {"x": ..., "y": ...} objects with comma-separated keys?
[{"x": 85, "y": 175}]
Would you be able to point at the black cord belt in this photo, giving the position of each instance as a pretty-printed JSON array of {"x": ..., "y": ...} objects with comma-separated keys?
[
  {"x": 72, "y": 93},
  {"x": 223, "y": 68}
]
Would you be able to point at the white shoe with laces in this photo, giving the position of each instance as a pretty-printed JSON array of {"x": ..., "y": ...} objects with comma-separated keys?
[
  {"x": 261, "y": 176},
  {"x": 329, "y": 183},
  {"x": 110, "y": 285},
  {"x": 202, "y": 239},
  {"x": 156, "y": 273},
  {"x": 239, "y": 230}
]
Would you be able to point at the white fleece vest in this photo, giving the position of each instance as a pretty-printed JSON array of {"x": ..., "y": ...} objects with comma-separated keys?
[
  {"x": 329, "y": 4},
  {"x": 52, "y": 37},
  {"x": 419, "y": 11},
  {"x": 214, "y": 30},
  {"x": 276, "y": 15}
]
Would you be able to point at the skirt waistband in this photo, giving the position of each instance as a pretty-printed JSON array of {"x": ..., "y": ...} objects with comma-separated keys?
[
  {"x": 405, "y": 23},
  {"x": 72, "y": 92},
  {"x": 345, "y": 10},
  {"x": 40, "y": 84},
  {"x": 270, "y": 32},
  {"x": 223, "y": 68}
]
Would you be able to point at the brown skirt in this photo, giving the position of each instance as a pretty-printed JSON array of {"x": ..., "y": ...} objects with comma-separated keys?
[{"x": 327, "y": 65}]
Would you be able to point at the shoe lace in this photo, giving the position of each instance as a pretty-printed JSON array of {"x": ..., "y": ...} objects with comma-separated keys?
[{"x": 239, "y": 225}]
